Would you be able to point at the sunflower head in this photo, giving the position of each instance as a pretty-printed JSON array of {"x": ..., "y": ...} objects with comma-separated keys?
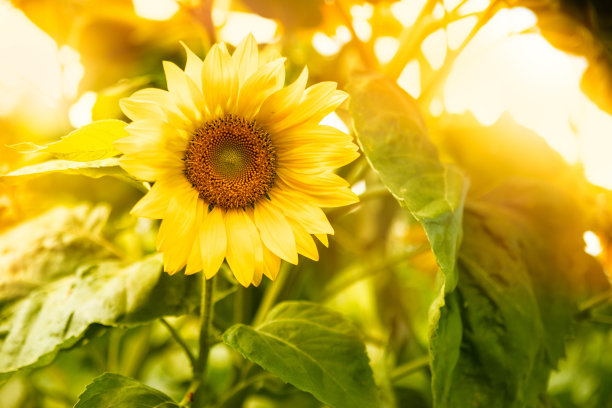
[{"x": 240, "y": 163}]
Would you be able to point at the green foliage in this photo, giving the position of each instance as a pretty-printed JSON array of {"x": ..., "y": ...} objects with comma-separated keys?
[
  {"x": 88, "y": 143},
  {"x": 515, "y": 300},
  {"x": 94, "y": 169},
  {"x": 56, "y": 316},
  {"x": 117, "y": 391},
  {"x": 393, "y": 136},
  {"x": 314, "y": 349}
]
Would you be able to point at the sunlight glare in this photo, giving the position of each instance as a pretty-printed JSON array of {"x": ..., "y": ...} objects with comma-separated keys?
[
  {"x": 385, "y": 48},
  {"x": 592, "y": 243},
  {"x": 238, "y": 25},
  {"x": 324, "y": 44},
  {"x": 410, "y": 79},
  {"x": 473, "y": 6},
  {"x": 158, "y": 10},
  {"x": 434, "y": 48},
  {"x": 438, "y": 12},
  {"x": 436, "y": 107},
  {"x": 359, "y": 187},
  {"x": 72, "y": 70},
  {"x": 361, "y": 15},
  {"x": 80, "y": 113},
  {"x": 458, "y": 31},
  {"x": 334, "y": 121},
  {"x": 407, "y": 11}
]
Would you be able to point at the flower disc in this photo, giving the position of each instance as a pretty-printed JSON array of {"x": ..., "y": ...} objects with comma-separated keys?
[{"x": 231, "y": 162}]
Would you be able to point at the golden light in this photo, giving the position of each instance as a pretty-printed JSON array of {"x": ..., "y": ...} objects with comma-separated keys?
[
  {"x": 407, "y": 11},
  {"x": 80, "y": 113},
  {"x": 592, "y": 243},
  {"x": 237, "y": 25},
  {"x": 156, "y": 9},
  {"x": 410, "y": 79},
  {"x": 385, "y": 48},
  {"x": 434, "y": 48}
]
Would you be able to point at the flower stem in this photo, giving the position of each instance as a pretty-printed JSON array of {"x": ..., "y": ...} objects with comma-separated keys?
[
  {"x": 410, "y": 367},
  {"x": 199, "y": 368},
  {"x": 180, "y": 341},
  {"x": 272, "y": 294}
]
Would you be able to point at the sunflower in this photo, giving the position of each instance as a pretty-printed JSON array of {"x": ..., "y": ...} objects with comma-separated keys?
[{"x": 241, "y": 164}]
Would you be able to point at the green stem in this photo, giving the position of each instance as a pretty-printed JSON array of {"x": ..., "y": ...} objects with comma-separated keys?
[
  {"x": 586, "y": 308},
  {"x": 272, "y": 294},
  {"x": 227, "y": 396},
  {"x": 180, "y": 341},
  {"x": 199, "y": 369},
  {"x": 410, "y": 367}
]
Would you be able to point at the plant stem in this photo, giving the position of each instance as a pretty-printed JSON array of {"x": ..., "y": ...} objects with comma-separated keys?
[
  {"x": 180, "y": 341},
  {"x": 199, "y": 369},
  {"x": 586, "y": 308},
  {"x": 410, "y": 367},
  {"x": 272, "y": 294}
]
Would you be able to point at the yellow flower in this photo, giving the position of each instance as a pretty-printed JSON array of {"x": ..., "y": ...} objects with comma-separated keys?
[{"x": 241, "y": 164}]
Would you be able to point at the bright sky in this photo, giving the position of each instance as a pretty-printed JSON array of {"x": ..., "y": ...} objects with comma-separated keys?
[{"x": 521, "y": 74}]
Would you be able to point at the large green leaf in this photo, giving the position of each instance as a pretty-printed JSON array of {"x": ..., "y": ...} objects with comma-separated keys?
[
  {"x": 393, "y": 136},
  {"x": 56, "y": 316},
  {"x": 90, "y": 142},
  {"x": 313, "y": 348},
  {"x": 117, "y": 391},
  {"x": 502, "y": 331}
]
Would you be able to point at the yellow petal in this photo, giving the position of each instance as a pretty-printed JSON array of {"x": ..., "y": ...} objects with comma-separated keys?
[
  {"x": 271, "y": 264},
  {"x": 240, "y": 246},
  {"x": 282, "y": 102},
  {"x": 295, "y": 205},
  {"x": 194, "y": 262},
  {"x": 323, "y": 239},
  {"x": 193, "y": 67},
  {"x": 154, "y": 204},
  {"x": 299, "y": 135},
  {"x": 184, "y": 92},
  {"x": 219, "y": 80},
  {"x": 304, "y": 242},
  {"x": 177, "y": 231},
  {"x": 276, "y": 232},
  {"x": 316, "y": 158},
  {"x": 163, "y": 100},
  {"x": 319, "y": 100},
  {"x": 265, "y": 81},
  {"x": 245, "y": 57},
  {"x": 213, "y": 241}
]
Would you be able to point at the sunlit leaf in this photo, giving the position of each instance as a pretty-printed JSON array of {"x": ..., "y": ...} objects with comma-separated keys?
[
  {"x": 117, "y": 391},
  {"x": 502, "y": 331},
  {"x": 94, "y": 169},
  {"x": 313, "y": 348},
  {"x": 394, "y": 138},
  {"x": 88, "y": 143},
  {"x": 56, "y": 316},
  {"x": 51, "y": 245}
]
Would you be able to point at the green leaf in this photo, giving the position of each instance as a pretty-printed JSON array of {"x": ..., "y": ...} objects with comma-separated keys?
[
  {"x": 49, "y": 246},
  {"x": 313, "y": 348},
  {"x": 94, "y": 169},
  {"x": 502, "y": 331},
  {"x": 393, "y": 136},
  {"x": 90, "y": 142},
  {"x": 56, "y": 316},
  {"x": 117, "y": 391}
]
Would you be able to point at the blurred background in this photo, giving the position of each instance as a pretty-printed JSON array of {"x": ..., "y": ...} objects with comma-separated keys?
[{"x": 508, "y": 88}]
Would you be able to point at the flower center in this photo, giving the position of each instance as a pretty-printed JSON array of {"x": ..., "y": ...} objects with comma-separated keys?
[{"x": 231, "y": 162}]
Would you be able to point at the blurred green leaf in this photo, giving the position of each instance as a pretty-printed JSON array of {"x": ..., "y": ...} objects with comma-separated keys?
[
  {"x": 49, "y": 246},
  {"x": 393, "y": 136},
  {"x": 117, "y": 391},
  {"x": 313, "y": 348},
  {"x": 57, "y": 315},
  {"x": 94, "y": 169},
  {"x": 503, "y": 330},
  {"x": 90, "y": 142}
]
